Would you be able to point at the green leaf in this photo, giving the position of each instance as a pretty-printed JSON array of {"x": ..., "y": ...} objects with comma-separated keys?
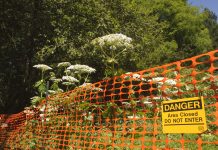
[
  {"x": 42, "y": 88},
  {"x": 38, "y": 83}
]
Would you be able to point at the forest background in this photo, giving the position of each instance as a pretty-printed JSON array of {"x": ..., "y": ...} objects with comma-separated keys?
[{"x": 52, "y": 31}]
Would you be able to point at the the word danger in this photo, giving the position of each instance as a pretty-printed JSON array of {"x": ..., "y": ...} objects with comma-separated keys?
[{"x": 180, "y": 106}]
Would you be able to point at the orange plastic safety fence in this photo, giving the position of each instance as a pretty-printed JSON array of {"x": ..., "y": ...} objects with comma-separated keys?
[{"x": 120, "y": 113}]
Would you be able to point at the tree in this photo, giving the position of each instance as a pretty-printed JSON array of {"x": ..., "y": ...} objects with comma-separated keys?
[
  {"x": 212, "y": 26},
  {"x": 185, "y": 25},
  {"x": 21, "y": 37}
]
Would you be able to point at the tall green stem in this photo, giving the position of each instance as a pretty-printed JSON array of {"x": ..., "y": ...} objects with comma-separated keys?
[
  {"x": 42, "y": 75},
  {"x": 86, "y": 78},
  {"x": 65, "y": 69},
  {"x": 42, "y": 78},
  {"x": 113, "y": 68},
  {"x": 113, "y": 63}
]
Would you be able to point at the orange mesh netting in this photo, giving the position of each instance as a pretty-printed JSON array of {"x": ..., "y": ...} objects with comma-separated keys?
[{"x": 120, "y": 113}]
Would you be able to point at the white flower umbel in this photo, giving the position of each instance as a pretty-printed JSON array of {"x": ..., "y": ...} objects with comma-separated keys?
[
  {"x": 138, "y": 77},
  {"x": 42, "y": 109},
  {"x": 69, "y": 79},
  {"x": 81, "y": 69},
  {"x": 52, "y": 92},
  {"x": 135, "y": 76},
  {"x": 64, "y": 64},
  {"x": 28, "y": 111},
  {"x": 34, "y": 97},
  {"x": 42, "y": 67},
  {"x": 171, "y": 82},
  {"x": 85, "y": 85},
  {"x": 127, "y": 75},
  {"x": 89, "y": 116},
  {"x": 89, "y": 86},
  {"x": 157, "y": 79},
  {"x": 4, "y": 125},
  {"x": 169, "y": 91},
  {"x": 41, "y": 115},
  {"x": 133, "y": 117},
  {"x": 112, "y": 47},
  {"x": 117, "y": 40},
  {"x": 60, "y": 90}
]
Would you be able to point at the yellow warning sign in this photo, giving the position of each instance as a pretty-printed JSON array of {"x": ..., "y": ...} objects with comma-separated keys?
[{"x": 184, "y": 116}]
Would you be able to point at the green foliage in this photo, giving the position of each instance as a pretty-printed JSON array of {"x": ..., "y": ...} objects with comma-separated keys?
[
  {"x": 185, "y": 25},
  {"x": 51, "y": 31},
  {"x": 41, "y": 86},
  {"x": 212, "y": 26},
  {"x": 36, "y": 100}
]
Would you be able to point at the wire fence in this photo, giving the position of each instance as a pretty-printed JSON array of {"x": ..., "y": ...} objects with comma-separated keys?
[{"x": 123, "y": 112}]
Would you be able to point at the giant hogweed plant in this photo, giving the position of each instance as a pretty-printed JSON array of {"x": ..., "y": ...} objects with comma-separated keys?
[
  {"x": 71, "y": 76},
  {"x": 112, "y": 49},
  {"x": 41, "y": 84}
]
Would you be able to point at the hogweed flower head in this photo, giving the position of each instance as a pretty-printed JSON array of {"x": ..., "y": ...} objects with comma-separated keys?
[
  {"x": 60, "y": 90},
  {"x": 114, "y": 40},
  {"x": 85, "y": 85},
  {"x": 135, "y": 76},
  {"x": 89, "y": 86},
  {"x": 42, "y": 67},
  {"x": 81, "y": 69},
  {"x": 52, "y": 92},
  {"x": 34, "y": 97},
  {"x": 171, "y": 82},
  {"x": 28, "y": 111},
  {"x": 41, "y": 115},
  {"x": 4, "y": 125},
  {"x": 64, "y": 64},
  {"x": 42, "y": 109},
  {"x": 70, "y": 79}
]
